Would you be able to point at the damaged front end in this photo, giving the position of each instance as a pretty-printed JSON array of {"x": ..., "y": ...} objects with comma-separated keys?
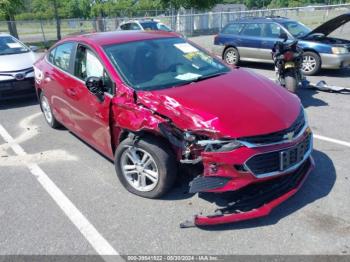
[
  {"x": 249, "y": 174},
  {"x": 250, "y": 177}
]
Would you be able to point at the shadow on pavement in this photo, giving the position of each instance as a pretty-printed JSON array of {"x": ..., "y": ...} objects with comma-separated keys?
[
  {"x": 308, "y": 99},
  {"x": 318, "y": 185},
  {"x": 16, "y": 103}
]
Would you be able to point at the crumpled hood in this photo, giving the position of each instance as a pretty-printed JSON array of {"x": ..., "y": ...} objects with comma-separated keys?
[
  {"x": 237, "y": 104},
  {"x": 16, "y": 62},
  {"x": 331, "y": 25}
]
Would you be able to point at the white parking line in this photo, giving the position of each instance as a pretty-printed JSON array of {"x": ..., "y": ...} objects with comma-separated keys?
[
  {"x": 97, "y": 241},
  {"x": 332, "y": 140}
]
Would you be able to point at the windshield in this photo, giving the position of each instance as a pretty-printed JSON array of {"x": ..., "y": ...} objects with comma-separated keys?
[
  {"x": 296, "y": 29},
  {"x": 162, "y": 63},
  {"x": 154, "y": 26},
  {"x": 9, "y": 46}
]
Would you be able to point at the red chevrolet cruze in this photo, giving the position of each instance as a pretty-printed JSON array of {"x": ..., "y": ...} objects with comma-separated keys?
[{"x": 152, "y": 101}]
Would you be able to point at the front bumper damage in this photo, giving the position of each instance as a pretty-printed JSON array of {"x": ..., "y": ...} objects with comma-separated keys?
[
  {"x": 250, "y": 182},
  {"x": 256, "y": 200}
]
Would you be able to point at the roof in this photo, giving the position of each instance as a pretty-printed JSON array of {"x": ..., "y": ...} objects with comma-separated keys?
[
  {"x": 261, "y": 19},
  {"x": 118, "y": 37}
]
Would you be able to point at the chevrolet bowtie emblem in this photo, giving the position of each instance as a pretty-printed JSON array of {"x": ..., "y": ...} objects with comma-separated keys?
[{"x": 289, "y": 136}]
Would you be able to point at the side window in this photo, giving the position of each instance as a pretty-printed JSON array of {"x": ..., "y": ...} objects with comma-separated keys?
[
  {"x": 272, "y": 30},
  {"x": 232, "y": 29},
  {"x": 51, "y": 55},
  {"x": 62, "y": 56},
  {"x": 125, "y": 27},
  {"x": 134, "y": 26},
  {"x": 87, "y": 64},
  {"x": 252, "y": 30}
]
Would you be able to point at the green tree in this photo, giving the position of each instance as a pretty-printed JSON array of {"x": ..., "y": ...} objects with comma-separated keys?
[
  {"x": 198, "y": 4},
  {"x": 8, "y": 8},
  {"x": 43, "y": 6}
]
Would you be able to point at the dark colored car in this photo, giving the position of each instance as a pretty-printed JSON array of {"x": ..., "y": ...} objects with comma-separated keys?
[
  {"x": 252, "y": 39},
  {"x": 151, "y": 101}
]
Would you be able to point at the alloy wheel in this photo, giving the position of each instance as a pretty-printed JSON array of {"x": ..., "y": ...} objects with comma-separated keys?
[
  {"x": 139, "y": 169},
  {"x": 309, "y": 64},
  {"x": 231, "y": 57},
  {"x": 46, "y": 109}
]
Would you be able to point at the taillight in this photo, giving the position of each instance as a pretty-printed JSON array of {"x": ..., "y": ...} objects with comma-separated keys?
[
  {"x": 216, "y": 38},
  {"x": 288, "y": 56}
]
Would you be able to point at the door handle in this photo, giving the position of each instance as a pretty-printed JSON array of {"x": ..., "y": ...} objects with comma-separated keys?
[{"x": 71, "y": 92}]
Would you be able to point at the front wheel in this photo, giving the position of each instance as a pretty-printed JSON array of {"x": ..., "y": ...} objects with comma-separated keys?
[
  {"x": 145, "y": 167},
  {"x": 311, "y": 63}
]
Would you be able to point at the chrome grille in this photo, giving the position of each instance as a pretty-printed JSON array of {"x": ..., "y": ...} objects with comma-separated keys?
[{"x": 279, "y": 161}]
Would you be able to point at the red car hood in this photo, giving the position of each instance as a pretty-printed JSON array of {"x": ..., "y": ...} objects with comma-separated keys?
[{"x": 237, "y": 104}]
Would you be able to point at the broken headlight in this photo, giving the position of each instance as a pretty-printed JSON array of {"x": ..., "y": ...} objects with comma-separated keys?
[
  {"x": 211, "y": 145},
  {"x": 219, "y": 145}
]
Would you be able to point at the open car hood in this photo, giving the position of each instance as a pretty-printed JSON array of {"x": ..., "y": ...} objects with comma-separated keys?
[{"x": 331, "y": 25}]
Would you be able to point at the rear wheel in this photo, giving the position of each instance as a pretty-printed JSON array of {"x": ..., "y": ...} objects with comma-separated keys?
[
  {"x": 47, "y": 111},
  {"x": 291, "y": 83},
  {"x": 311, "y": 63},
  {"x": 146, "y": 168},
  {"x": 231, "y": 56}
]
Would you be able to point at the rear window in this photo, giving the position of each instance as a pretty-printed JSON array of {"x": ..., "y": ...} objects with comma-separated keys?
[
  {"x": 61, "y": 56},
  {"x": 232, "y": 29},
  {"x": 253, "y": 30}
]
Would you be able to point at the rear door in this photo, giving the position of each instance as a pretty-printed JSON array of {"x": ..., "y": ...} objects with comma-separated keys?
[
  {"x": 230, "y": 35},
  {"x": 57, "y": 81},
  {"x": 251, "y": 41},
  {"x": 90, "y": 115},
  {"x": 270, "y": 35}
]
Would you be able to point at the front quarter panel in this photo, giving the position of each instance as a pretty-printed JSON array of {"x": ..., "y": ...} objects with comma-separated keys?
[{"x": 315, "y": 46}]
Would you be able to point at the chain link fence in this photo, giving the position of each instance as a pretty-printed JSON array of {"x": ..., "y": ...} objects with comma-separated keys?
[{"x": 185, "y": 21}]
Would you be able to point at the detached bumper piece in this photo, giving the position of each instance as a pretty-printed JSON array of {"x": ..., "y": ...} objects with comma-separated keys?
[{"x": 255, "y": 200}]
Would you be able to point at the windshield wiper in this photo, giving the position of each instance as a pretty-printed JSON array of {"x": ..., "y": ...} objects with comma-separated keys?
[{"x": 200, "y": 78}]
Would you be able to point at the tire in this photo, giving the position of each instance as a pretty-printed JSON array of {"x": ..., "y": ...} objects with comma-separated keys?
[
  {"x": 311, "y": 63},
  {"x": 161, "y": 169},
  {"x": 47, "y": 111},
  {"x": 291, "y": 82},
  {"x": 231, "y": 56}
]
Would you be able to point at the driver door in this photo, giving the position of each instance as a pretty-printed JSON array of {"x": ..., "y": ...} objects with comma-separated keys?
[{"x": 89, "y": 114}]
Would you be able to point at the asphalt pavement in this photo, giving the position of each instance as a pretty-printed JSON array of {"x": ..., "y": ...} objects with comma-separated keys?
[{"x": 76, "y": 205}]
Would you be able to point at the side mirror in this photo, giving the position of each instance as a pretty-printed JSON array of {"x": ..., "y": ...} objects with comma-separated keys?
[
  {"x": 284, "y": 36},
  {"x": 95, "y": 86},
  {"x": 34, "y": 48}
]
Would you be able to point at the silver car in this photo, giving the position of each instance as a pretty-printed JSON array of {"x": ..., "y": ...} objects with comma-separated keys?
[{"x": 16, "y": 68}]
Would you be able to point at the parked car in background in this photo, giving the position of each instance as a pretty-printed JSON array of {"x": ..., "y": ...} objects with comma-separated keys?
[
  {"x": 144, "y": 25},
  {"x": 252, "y": 39},
  {"x": 150, "y": 100},
  {"x": 16, "y": 68}
]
